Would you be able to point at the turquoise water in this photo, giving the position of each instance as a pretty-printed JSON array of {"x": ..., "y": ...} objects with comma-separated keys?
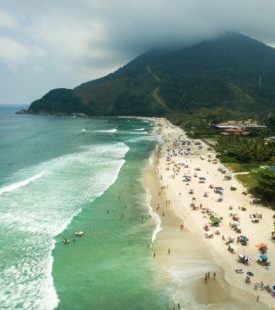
[{"x": 60, "y": 174}]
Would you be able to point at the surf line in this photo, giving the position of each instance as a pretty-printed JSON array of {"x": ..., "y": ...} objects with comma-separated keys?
[
  {"x": 155, "y": 216},
  {"x": 15, "y": 186}
]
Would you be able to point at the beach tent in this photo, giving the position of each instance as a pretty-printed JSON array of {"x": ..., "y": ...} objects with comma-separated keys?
[
  {"x": 232, "y": 247},
  {"x": 243, "y": 239},
  {"x": 263, "y": 257},
  {"x": 236, "y": 224},
  {"x": 231, "y": 239},
  {"x": 244, "y": 258}
]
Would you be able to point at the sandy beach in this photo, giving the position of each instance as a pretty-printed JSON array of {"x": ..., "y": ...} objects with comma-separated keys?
[{"x": 189, "y": 245}]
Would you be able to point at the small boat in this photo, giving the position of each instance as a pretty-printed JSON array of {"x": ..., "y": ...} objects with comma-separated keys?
[{"x": 79, "y": 233}]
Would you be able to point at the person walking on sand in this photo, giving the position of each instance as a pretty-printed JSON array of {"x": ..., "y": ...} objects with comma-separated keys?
[
  {"x": 258, "y": 299},
  {"x": 169, "y": 251},
  {"x": 214, "y": 275},
  {"x": 205, "y": 278}
]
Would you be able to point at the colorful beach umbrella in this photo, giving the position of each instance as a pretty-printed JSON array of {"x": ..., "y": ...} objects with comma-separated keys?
[
  {"x": 261, "y": 245},
  {"x": 215, "y": 220}
]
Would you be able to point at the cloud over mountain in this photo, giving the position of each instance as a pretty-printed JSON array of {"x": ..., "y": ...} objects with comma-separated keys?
[{"x": 75, "y": 40}]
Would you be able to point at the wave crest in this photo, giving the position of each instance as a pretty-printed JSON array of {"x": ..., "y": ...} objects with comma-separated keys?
[{"x": 15, "y": 186}]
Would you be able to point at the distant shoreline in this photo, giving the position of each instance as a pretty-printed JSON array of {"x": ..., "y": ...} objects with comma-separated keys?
[{"x": 83, "y": 115}]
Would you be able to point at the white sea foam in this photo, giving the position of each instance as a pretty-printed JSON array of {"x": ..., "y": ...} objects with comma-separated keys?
[
  {"x": 106, "y": 130},
  {"x": 143, "y": 138},
  {"x": 140, "y": 129},
  {"x": 37, "y": 213},
  {"x": 17, "y": 185},
  {"x": 154, "y": 215},
  {"x": 128, "y": 132}
]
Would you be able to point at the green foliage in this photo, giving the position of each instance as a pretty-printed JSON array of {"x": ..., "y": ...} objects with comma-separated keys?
[
  {"x": 248, "y": 180},
  {"x": 208, "y": 82},
  {"x": 244, "y": 149},
  {"x": 265, "y": 187},
  {"x": 58, "y": 101}
]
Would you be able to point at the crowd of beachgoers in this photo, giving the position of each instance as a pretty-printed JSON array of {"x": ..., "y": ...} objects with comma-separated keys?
[{"x": 213, "y": 204}]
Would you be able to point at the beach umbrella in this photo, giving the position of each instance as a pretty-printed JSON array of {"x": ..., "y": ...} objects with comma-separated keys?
[
  {"x": 273, "y": 287},
  {"x": 249, "y": 273},
  {"x": 261, "y": 245},
  {"x": 263, "y": 257},
  {"x": 215, "y": 220}
]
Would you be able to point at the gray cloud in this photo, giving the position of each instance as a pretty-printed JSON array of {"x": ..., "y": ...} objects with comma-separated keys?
[{"x": 47, "y": 44}]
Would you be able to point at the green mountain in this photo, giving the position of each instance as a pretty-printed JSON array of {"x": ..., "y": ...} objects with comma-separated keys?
[{"x": 229, "y": 74}]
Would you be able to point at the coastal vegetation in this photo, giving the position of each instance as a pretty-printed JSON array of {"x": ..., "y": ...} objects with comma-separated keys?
[
  {"x": 230, "y": 76},
  {"x": 254, "y": 155}
]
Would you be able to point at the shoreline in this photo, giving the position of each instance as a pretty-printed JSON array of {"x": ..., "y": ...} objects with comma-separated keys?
[{"x": 227, "y": 289}]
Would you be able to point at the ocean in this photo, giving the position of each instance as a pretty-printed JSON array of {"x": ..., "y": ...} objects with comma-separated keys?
[{"x": 63, "y": 174}]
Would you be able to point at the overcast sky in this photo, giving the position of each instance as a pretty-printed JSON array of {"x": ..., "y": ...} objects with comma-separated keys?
[{"x": 46, "y": 44}]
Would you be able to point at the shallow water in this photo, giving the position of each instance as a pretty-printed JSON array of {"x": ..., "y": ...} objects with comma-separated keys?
[{"x": 58, "y": 170}]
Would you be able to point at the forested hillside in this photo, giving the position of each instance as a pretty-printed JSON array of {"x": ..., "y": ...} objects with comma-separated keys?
[{"x": 232, "y": 75}]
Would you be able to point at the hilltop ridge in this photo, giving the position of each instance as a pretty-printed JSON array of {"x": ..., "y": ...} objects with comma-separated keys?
[{"x": 232, "y": 73}]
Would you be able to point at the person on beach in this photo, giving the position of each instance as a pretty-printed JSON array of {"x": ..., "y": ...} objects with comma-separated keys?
[
  {"x": 262, "y": 285},
  {"x": 181, "y": 227},
  {"x": 154, "y": 254},
  {"x": 205, "y": 278},
  {"x": 169, "y": 251},
  {"x": 258, "y": 299},
  {"x": 214, "y": 275}
]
